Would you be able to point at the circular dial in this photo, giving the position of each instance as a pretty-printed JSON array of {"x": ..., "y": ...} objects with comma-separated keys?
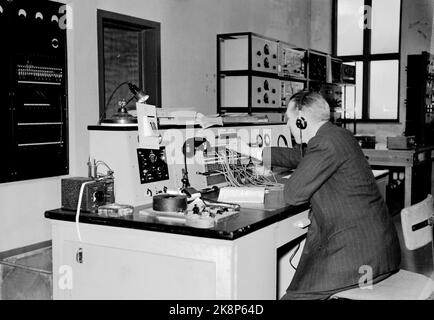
[
  {"x": 267, "y": 140},
  {"x": 152, "y": 158},
  {"x": 259, "y": 141}
]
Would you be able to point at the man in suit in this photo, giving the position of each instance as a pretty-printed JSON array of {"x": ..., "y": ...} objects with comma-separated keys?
[{"x": 351, "y": 235}]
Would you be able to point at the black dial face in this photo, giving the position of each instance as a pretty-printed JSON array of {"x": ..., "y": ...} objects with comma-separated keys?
[
  {"x": 259, "y": 141},
  {"x": 152, "y": 158},
  {"x": 282, "y": 142},
  {"x": 98, "y": 196}
]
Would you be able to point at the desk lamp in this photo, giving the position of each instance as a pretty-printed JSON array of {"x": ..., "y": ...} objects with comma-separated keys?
[{"x": 122, "y": 116}]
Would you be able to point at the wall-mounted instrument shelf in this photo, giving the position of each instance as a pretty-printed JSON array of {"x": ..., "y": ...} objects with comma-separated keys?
[{"x": 258, "y": 74}]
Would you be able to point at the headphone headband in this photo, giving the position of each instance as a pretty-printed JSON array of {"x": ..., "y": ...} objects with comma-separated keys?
[{"x": 300, "y": 98}]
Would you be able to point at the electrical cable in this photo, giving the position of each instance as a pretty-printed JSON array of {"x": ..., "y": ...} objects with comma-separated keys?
[
  {"x": 293, "y": 255},
  {"x": 301, "y": 143},
  {"x": 103, "y": 163},
  {"x": 239, "y": 175},
  {"x": 77, "y": 214}
]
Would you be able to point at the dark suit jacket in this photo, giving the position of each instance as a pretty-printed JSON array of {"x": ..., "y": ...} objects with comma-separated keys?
[{"x": 350, "y": 224}]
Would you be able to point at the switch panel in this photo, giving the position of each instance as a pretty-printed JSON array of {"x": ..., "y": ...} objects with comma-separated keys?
[
  {"x": 317, "y": 66},
  {"x": 265, "y": 92},
  {"x": 336, "y": 70},
  {"x": 152, "y": 165},
  {"x": 348, "y": 73},
  {"x": 264, "y": 55},
  {"x": 288, "y": 89},
  {"x": 292, "y": 61}
]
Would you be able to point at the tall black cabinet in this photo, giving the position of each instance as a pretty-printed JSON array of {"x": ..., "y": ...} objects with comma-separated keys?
[
  {"x": 33, "y": 90},
  {"x": 420, "y": 98}
]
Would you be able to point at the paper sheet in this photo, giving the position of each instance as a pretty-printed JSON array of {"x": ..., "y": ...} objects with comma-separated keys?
[{"x": 242, "y": 194}]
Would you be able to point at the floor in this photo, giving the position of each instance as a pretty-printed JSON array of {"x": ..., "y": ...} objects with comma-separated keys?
[
  {"x": 27, "y": 277},
  {"x": 21, "y": 284}
]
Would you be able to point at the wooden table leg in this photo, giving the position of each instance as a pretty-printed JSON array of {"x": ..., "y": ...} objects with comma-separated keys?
[{"x": 407, "y": 186}]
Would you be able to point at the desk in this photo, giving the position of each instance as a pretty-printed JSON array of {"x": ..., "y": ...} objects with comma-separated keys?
[
  {"x": 245, "y": 257},
  {"x": 139, "y": 258},
  {"x": 407, "y": 159}
]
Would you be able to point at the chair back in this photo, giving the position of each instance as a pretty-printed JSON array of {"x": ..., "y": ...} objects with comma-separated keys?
[{"x": 416, "y": 223}]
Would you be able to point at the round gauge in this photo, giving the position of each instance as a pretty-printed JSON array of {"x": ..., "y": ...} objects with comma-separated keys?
[
  {"x": 55, "y": 43},
  {"x": 259, "y": 141},
  {"x": 98, "y": 196},
  {"x": 22, "y": 13},
  {"x": 266, "y": 49},
  {"x": 267, "y": 139},
  {"x": 152, "y": 158},
  {"x": 282, "y": 142},
  {"x": 266, "y": 85}
]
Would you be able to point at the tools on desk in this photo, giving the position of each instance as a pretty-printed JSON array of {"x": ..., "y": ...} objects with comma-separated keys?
[{"x": 190, "y": 208}]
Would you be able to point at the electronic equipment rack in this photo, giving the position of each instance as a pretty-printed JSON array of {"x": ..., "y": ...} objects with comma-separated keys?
[{"x": 33, "y": 90}]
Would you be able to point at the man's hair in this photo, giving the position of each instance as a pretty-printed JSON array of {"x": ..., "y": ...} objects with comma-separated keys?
[{"x": 311, "y": 103}]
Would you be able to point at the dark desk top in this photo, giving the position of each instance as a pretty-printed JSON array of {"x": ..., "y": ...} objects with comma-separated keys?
[
  {"x": 398, "y": 158},
  {"x": 245, "y": 222},
  {"x": 134, "y": 127}
]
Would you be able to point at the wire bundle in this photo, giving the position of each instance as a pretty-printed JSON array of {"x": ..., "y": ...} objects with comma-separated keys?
[{"x": 241, "y": 175}]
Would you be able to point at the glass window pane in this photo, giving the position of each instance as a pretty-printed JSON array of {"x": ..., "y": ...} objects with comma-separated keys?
[
  {"x": 385, "y": 26},
  {"x": 121, "y": 63},
  {"x": 350, "y": 27},
  {"x": 353, "y": 95},
  {"x": 384, "y": 89}
]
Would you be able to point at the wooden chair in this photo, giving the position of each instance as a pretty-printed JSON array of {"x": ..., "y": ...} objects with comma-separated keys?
[{"x": 417, "y": 227}]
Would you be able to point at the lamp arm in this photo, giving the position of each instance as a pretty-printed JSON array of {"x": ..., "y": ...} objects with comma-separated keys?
[
  {"x": 110, "y": 99},
  {"x": 114, "y": 91},
  {"x": 129, "y": 100}
]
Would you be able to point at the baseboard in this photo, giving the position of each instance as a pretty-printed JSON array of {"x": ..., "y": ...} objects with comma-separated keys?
[{"x": 17, "y": 251}]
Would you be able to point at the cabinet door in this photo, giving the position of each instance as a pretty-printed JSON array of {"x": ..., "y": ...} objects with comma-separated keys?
[{"x": 112, "y": 273}]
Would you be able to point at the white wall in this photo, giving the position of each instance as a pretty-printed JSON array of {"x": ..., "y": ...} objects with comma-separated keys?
[
  {"x": 188, "y": 37},
  {"x": 321, "y": 25},
  {"x": 188, "y": 66}
]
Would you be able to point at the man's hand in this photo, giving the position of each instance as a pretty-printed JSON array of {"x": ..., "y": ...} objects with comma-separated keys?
[{"x": 242, "y": 147}]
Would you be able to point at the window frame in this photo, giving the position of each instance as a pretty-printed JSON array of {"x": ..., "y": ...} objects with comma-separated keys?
[
  {"x": 149, "y": 54},
  {"x": 367, "y": 57}
]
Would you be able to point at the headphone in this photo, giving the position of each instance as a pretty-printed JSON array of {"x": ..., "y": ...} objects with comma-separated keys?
[{"x": 301, "y": 122}]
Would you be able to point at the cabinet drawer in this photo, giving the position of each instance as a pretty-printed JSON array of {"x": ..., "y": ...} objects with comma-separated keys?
[{"x": 291, "y": 228}]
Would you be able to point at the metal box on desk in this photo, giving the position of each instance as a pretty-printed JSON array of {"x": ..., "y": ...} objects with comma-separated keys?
[
  {"x": 95, "y": 194},
  {"x": 401, "y": 143},
  {"x": 366, "y": 141}
]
